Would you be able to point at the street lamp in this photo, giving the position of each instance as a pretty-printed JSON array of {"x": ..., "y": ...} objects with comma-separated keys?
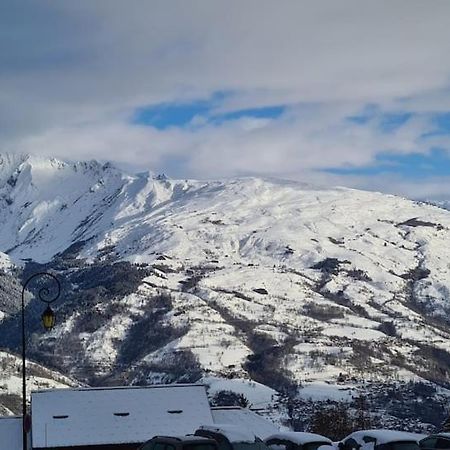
[{"x": 48, "y": 321}]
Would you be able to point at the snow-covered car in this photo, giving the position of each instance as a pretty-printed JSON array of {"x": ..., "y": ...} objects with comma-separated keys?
[
  {"x": 436, "y": 442},
  {"x": 293, "y": 440},
  {"x": 244, "y": 418},
  {"x": 231, "y": 437},
  {"x": 179, "y": 443},
  {"x": 381, "y": 440}
]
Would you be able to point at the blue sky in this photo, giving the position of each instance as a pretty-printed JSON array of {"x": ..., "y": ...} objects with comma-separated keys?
[
  {"x": 287, "y": 90},
  {"x": 167, "y": 115},
  {"x": 387, "y": 121},
  {"x": 414, "y": 166},
  {"x": 431, "y": 162}
]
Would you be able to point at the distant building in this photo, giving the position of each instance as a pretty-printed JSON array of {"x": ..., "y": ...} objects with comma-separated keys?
[
  {"x": 115, "y": 418},
  {"x": 11, "y": 433}
]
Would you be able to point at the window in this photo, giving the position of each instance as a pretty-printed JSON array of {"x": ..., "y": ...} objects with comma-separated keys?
[
  {"x": 199, "y": 446},
  {"x": 258, "y": 445},
  {"x": 443, "y": 443},
  {"x": 278, "y": 444},
  {"x": 314, "y": 445},
  {"x": 351, "y": 444},
  {"x": 150, "y": 446},
  {"x": 222, "y": 442},
  {"x": 405, "y": 445},
  {"x": 157, "y": 446},
  {"x": 429, "y": 443},
  {"x": 435, "y": 442}
]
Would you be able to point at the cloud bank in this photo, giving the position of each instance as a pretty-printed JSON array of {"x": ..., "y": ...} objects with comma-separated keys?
[{"x": 355, "y": 79}]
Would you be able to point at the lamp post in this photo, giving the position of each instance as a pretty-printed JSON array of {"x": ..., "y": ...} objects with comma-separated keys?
[{"x": 48, "y": 320}]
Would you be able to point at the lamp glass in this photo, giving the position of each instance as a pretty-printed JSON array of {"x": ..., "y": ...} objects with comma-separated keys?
[{"x": 48, "y": 318}]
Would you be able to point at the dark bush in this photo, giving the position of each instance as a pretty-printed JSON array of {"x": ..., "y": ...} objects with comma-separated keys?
[
  {"x": 358, "y": 274},
  {"x": 229, "y": 398},
  {"x": 416, "y": 274},
  {"x": 329, "y": 266},
  {"x": 323, "y": 312},
  {"x": 388, "y": 328},
  {"x": 190, "y": 283},
  {"x": 261, "y": 291},
  {"x": 332, "y": 421}
]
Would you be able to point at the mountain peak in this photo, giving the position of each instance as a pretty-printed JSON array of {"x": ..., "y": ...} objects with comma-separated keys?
[{"x": 14, "y": 161}]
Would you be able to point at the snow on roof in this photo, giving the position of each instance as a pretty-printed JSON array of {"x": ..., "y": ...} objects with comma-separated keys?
[
  {"x": 11, "y": 433},
  {"x": 233, "y": 433},
  {"x": 245, "y": 418},
  {"x": 385, "y": 436},
  {"x": 75, "y": 417},
  {"x": 299, "y": 437}
]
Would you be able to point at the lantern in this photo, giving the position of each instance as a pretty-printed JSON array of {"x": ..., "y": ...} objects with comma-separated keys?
[{"x": 48, "y": 318}]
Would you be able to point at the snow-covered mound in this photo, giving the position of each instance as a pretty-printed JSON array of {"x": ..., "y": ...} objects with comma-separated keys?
[{"x": 278, "y": 282}]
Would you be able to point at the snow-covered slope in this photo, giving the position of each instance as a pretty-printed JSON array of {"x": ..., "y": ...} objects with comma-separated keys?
[
  {"x": 5, "y": 262},
  {"x": 38, "y": 377},
  {"x": 444, "y": 204},
  {"x": 280, "y": 282}
]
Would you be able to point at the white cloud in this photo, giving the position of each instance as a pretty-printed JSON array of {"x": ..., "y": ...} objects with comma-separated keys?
[
  {"x": 72, "y": 73},
  {"x": 303, "y": 139}
]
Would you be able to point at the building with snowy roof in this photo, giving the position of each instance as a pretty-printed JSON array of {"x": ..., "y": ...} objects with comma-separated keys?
[
  {"x": 11, "y": 433},
  {"x": 119, "y": 418}
]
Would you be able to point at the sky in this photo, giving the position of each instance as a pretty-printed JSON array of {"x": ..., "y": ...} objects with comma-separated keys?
[{"x": 349, "y": 92}]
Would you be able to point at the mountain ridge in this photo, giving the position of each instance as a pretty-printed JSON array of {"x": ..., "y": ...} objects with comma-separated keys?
[{"x": 321, "y": 293}]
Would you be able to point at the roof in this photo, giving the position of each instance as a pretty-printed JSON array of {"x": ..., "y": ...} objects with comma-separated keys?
[
  {"x": 246, "y": 418},
  {"x": 445, "y": 435},
  {"x": 232, "y": 432},
  {"x": 385, "y": 436},
  {"x": 11, "y": 432},
  {"x": 299, "y": 437},
  {"x": 75, "y": 417}
]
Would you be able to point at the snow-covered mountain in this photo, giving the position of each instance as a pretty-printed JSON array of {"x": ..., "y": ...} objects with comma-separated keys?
[
  {"x": 445, "y": 204},
  {"x": 324, "y": 292}
]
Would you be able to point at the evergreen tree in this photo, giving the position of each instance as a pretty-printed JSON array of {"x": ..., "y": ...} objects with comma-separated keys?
[{"x": 446, "y": 424}]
